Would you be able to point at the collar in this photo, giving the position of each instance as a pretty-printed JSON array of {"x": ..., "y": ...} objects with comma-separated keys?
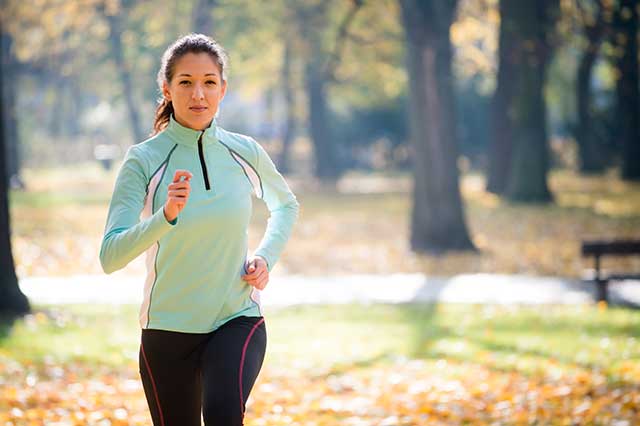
[{"x": 189, "y": 137}]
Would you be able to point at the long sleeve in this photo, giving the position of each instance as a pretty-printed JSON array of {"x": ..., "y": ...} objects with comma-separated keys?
[
  {"x": 125, "y": 236},
  {"x": 283, "y": 208}
]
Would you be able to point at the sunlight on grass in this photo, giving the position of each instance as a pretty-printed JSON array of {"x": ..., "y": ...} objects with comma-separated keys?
[
  {"x": 100, "y": 334},
  {"x": 323, "y": 337}
]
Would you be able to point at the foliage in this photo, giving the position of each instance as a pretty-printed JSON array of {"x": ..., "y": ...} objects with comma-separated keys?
[
  {"x": 374, "y": 364},
  {"x": 69, "y": 80}
]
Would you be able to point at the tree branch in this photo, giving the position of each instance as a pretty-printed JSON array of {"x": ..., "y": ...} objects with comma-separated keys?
[{"x": 334, "y": 58}]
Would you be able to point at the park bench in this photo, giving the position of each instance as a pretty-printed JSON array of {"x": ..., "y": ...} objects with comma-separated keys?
[{"x": 600, "y": 248}]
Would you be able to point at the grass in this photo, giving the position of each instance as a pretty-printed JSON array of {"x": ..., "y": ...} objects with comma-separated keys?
[
  {"x": 524, "y": 339},
  {"x": 407, "y": 364},
  {"x": 58, "y": 225},
  {"x": 350, "y": 365}
]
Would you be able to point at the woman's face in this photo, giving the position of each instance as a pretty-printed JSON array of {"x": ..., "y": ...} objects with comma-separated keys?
[{"x": 195, "y": 90}]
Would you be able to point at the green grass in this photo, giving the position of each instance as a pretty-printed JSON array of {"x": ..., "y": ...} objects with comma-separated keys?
[
  {"x": 530, "y": 340},
  {"x": 102, "y": 334},
  {"x": 45, "y": 199}
]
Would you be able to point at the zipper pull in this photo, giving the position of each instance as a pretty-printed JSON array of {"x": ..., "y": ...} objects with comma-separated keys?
[{"x": 203, "y": 164}]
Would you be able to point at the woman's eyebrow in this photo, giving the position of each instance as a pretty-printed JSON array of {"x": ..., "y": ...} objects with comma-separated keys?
[{"x": 206, "y": 75}]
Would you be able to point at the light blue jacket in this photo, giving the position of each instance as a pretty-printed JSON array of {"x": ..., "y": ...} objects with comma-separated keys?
[{"x": 195, "y": 263}]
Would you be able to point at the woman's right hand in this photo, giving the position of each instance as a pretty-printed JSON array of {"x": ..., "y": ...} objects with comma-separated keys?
[{"x": 177, "y": 194}]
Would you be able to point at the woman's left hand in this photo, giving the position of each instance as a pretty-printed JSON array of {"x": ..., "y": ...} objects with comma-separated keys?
[{"x": 257, "y": 272}]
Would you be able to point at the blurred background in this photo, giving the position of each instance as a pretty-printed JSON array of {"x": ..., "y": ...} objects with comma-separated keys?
[{"x": 450, "y": 158}]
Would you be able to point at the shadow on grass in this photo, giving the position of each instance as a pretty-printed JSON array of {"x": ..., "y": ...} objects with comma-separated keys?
[
  {"x": 345, "y": 367},
  {"x": 7, "y": 321},
  {"x": 5, "y": 329},
  {"x": 573, "y": 332},
  {"x": 510, "y": 349},
  {"x": 425, "y": 328}
]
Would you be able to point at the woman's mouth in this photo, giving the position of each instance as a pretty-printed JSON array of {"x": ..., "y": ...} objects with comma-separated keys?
[{"x": 198, "y": 108}]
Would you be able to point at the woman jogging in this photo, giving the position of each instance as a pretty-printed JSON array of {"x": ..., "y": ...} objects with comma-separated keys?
[{"x": 183, "y": 196}]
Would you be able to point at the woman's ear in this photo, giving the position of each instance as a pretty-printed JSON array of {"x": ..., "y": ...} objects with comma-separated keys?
[
  {"x": 224, "y": 89},
  {"x": 165, "y": 91}
]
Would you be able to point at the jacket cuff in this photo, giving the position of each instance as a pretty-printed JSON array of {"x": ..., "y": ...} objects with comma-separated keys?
[
  {"x": 159, "y": 221},
  {"x": 266, "y": 259}
]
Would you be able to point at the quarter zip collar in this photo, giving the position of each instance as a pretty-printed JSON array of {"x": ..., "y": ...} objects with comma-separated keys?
[{"x": 190, "y": 137}]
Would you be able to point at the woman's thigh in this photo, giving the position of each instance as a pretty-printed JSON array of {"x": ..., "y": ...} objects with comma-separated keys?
[
  {"x": 231, "y": 362},
  {"x": 170, "y": 373}
]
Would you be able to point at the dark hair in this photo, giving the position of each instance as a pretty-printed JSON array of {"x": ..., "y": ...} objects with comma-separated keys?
[{"x": 190, "y": 43}]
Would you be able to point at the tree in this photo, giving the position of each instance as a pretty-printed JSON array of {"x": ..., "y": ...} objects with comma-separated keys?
[
  {"x": 202, "y": 21},
  {"x": 356, "y": 45},
  {"x": 290, "y": 120},
  {"x": 501, "y": 129},
  {"x": 530, "y": 160},
  {"x": 628, "y": 87},
  {"x": 320, "y": 67},
  {"x": 115, "y": 20},
  {"x": 12, "y": 142},
  {"x": 437, "y": 222},
  {"x": 594, "y": 27},
  {"x": 519, "y": 153},
  {"x": 13, "y": 302}
]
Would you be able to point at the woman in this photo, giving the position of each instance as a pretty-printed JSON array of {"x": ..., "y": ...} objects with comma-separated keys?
[{"x": 184, "y": 197}]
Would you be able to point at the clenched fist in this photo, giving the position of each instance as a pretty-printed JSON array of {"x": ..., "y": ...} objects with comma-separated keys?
[
  {"x": 177, "y": 194},
  {"x": 257, "y": 272}
]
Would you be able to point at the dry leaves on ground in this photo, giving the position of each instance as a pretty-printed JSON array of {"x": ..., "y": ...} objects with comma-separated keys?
[{"x": 402, "y": 392}]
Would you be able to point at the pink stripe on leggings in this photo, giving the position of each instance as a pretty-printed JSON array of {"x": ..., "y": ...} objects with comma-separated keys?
[
  {"x": 244, "y": 351},
  {"x": 153, "y": 383}
]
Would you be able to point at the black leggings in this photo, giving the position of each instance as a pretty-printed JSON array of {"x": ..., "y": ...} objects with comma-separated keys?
[{"x": 185, "y": 375}]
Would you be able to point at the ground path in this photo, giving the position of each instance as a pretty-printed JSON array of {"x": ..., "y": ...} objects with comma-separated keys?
[{"x": 398, "y": 288}]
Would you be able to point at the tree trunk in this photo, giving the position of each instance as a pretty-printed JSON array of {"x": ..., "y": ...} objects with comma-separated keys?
[
  {"x": 202, "y": 20},
  {"x": 115, "y": 34},
  {"x": 12, "y": 141},
  {"x": 290, "y": 121},
  {"x": 530, "y": 161},
  {"x": 312, "y": 19},
  {"x": 13, "y": 303},
  {"x": 627, "y": 88},
  {"x": 501, "y": 121},
  {"x": 56, "y": 118},
  {"x": 74, "y": 96},
  {"x": 437, "y": 220},
  {"x": 591, "y": 159},
  {"x": 319, "y": 73},
  {"x": 326, "y": 167}
]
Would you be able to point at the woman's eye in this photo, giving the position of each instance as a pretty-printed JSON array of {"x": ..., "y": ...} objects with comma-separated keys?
[
  {"x": 185, "y": 82},
  {"x": 210, "y": 81}
]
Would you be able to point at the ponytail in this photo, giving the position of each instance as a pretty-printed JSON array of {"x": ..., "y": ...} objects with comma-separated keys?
[{"x": 163, "y": 115}]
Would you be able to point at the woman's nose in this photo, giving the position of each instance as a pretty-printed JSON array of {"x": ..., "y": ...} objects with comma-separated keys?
[{"x": 198, "y": 92}]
